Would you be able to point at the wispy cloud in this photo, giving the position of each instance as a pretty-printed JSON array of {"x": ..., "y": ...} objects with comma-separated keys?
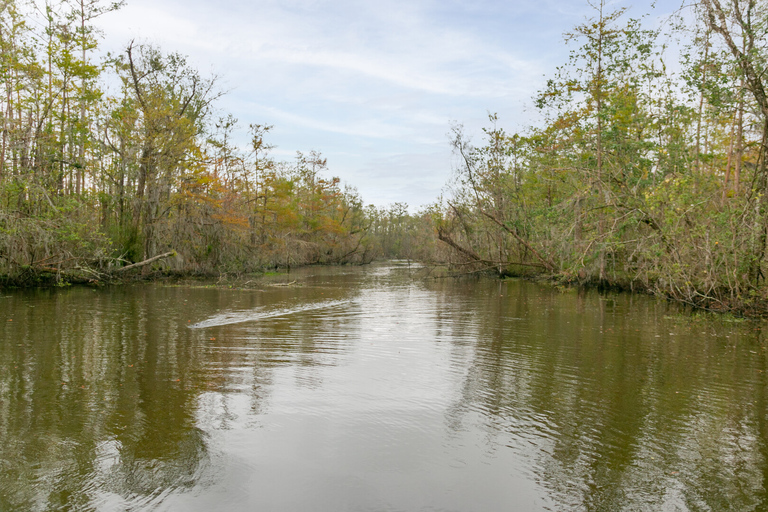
[{"x": 349, "y": 77}]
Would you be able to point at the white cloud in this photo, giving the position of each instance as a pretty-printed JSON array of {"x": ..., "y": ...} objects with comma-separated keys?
[{"x": 371, "y": 84}]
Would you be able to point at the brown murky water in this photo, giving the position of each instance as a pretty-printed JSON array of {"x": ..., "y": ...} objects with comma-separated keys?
[{"x": 362, "y": 389}]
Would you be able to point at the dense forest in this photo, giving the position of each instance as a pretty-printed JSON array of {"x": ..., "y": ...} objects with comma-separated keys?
[
  {"x": 91, "y": 182},
  {"x": 648, "y": 171}
]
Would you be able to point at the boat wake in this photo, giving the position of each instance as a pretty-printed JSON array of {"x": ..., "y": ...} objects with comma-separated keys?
[{"x": 236, "y": 317}]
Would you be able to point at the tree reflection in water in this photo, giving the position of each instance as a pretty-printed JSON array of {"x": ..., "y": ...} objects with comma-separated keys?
[
  {"x": 406, "y": 394},
  {"x": 616, "y": 413},
  {"x": 99, "y": 407}
]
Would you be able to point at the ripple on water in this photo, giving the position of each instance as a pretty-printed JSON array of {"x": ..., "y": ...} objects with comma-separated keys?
[
  {"x": 364, "y": 390},
  {"x": 236, "y": 317}
]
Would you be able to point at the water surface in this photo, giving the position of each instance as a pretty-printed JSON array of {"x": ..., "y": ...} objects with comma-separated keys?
[{"x": 367, "y": 389}]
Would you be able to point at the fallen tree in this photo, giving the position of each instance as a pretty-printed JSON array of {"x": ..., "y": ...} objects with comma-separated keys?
[{"x": 145, "y": 262}]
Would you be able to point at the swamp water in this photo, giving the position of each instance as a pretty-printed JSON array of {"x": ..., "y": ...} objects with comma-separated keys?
[{"x": 363, "y": 389}]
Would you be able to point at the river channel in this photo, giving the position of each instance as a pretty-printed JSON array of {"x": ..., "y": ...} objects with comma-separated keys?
[{"x": 373, "y": 389}]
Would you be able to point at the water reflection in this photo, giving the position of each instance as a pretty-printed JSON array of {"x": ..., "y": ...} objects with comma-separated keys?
[
  {"x": 616, "y": 406},
  {"x": 364, "y": 389},
  {"x": 96, "y": 405}
]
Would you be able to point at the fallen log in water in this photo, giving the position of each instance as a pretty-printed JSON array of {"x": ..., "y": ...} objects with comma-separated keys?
[{"x": 145, "y": 262}]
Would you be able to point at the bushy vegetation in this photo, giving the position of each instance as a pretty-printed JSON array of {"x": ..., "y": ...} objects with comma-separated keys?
[
  {"x": 640, "y": 178},
  {"x": 90, "y": 181}
]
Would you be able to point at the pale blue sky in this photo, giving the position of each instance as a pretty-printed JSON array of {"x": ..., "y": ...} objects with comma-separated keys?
[{"x": 373, "y": 85}]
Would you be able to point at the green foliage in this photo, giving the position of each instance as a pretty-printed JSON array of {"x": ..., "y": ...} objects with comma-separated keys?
[
  {"x": 90, "y": 181},
  {"x": 637, "y": 180}
]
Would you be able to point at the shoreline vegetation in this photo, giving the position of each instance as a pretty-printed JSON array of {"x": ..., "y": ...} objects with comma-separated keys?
[{"x": 648, "y": 172}]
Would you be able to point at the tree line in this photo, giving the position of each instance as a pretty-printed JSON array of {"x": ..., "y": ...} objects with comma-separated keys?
[
  {"x": 93, "y": 180},
  {"x": 648, "y": 171},
  {"x": 647, "y": 174}
]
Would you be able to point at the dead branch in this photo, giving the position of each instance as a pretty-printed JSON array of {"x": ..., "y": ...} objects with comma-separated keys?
[
  {"x": 147, "y": 261},
  {"x": 548, "y": 264},
  {"x": 476, "y": 258}
]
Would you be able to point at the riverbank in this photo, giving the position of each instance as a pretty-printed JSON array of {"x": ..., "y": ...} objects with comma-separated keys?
[
  {"x": 754, "y": 305},
  {"x": 750, "y": 304},
  {"x": 64, "y": 272},
  {"x": 29, "y": 277}
]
